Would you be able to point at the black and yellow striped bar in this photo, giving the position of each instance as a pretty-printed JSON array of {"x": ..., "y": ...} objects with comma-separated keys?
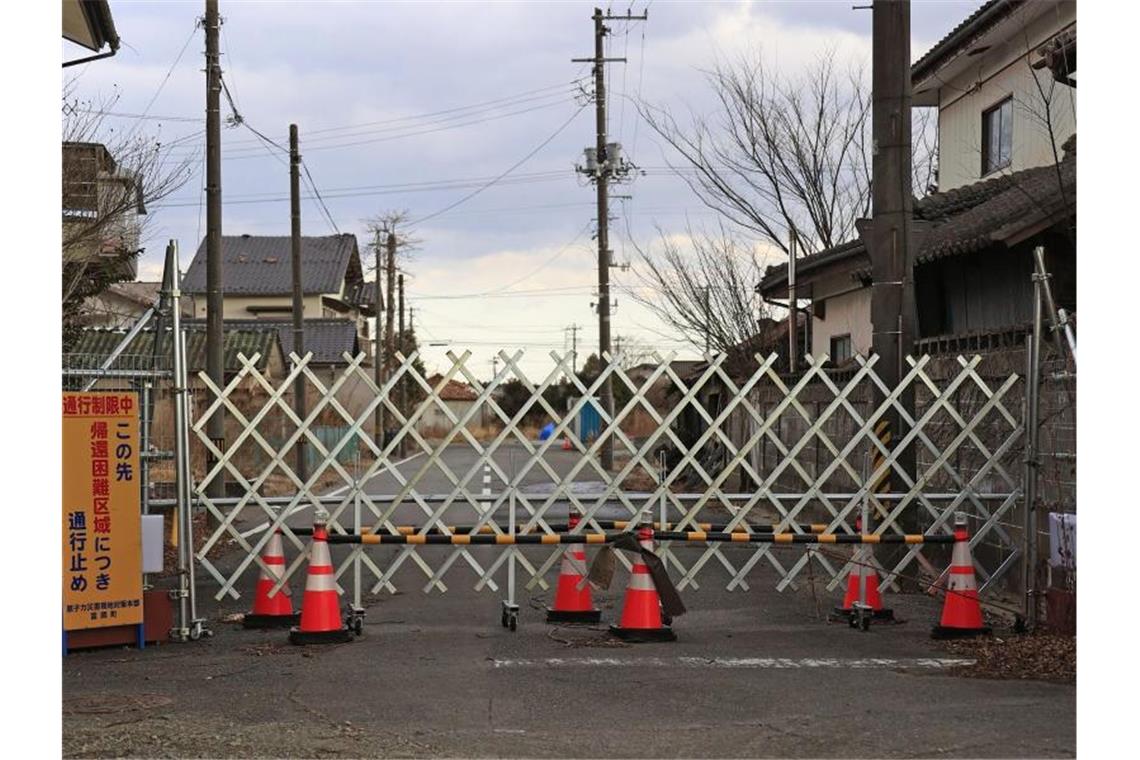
[
  {"x": 694, "y": 536},
  {"x": 561, "y": 527}
]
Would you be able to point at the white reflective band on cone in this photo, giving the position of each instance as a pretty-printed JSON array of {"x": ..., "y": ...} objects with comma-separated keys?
[{"x": 320, "y": 582}]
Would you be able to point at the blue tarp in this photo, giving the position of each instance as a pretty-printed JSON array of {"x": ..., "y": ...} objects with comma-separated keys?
[{"x": 546, "y": 432}]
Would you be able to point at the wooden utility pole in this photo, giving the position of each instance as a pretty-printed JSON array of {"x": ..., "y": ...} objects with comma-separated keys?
[
  {"x": 215, "y": 336},
  {"x": 606, "y": 166},
  {"x": 891, "y": 244},
  {"x": 299, "y": 405},
  {"x": 377, "y": 373}
]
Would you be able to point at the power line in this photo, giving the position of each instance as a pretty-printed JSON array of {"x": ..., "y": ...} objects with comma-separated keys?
[
  {"x": 313, "y": 186},
  {"x": 546, "y": 263},
  {"x": 513, "y": 166},
  {"x": 165, "y": 79},
  {"x": 333, "y": 142}
]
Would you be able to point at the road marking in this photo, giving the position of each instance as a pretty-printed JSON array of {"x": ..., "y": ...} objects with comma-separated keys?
[
  {"x": 776, "y": 663},
  {"x": 259, "y": 528},
  {"x": 376, "y": 474}
]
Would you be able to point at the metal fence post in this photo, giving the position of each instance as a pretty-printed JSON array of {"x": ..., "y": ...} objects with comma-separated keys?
[{"x": 1032, "y": 406}]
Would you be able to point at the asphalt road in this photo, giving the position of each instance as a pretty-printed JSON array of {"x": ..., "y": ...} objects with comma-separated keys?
[{"x": 759, "y": 674}]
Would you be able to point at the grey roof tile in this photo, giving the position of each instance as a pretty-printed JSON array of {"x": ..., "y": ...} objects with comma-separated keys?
[{"x": 261, "y": 265}]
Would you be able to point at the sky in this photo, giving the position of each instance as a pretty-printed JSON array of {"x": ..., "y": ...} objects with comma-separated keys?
[{"x": 413, "y": 106}]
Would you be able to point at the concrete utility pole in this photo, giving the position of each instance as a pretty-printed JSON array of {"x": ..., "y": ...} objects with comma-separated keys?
[
  {"x": 402, "y": 348},
  {"x": 299, "y": 405},
  {"x": 377, "y": 351},
  {"x": 708, "y": 316},
  {"x": 891, "y": 244},
  {"x": 574, "y": 328},
  {"x": 606, "y": 166},
  {"x": 390, "y": 320},
  {"x": 215, "y": 367},
  {"x": 793, "y": 311}
]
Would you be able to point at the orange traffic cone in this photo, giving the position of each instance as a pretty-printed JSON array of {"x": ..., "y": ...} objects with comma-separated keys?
[
  {"x": 320, "y": 607},
  {"x": 641, "y": 610},
  {"x": 272, "y": 611},
  {"x": 571, "y": 603},
  {"x": 566, "y": 444},
  {"x": 961, "y": 613},
  {"x": 862, "y": 568}
]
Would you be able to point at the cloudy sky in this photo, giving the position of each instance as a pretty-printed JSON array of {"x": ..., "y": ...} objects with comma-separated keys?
[{"x": 412, "y": 106}]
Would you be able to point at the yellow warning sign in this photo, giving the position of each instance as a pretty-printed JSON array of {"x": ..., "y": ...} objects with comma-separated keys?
[{"x": 102, "y": 538}]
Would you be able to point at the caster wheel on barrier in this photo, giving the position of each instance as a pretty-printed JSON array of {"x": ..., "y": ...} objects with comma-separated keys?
[
  {"x": 503, "y": 619},
  {"x": 195, "y": 634},
  {"x": 666, "y": 619},
  {"x": 514, "y": 623},
  {"x": 358, "y": 626},
  {"x": 865, "y": 624}
]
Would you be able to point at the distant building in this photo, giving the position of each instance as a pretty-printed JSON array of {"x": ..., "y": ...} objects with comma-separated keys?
[
  {"x": 459, "y": 398},
  {"x": 101, "y": 205}
]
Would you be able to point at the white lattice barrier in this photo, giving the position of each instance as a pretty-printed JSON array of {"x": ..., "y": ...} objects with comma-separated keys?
[{"x": 821, "y": 431}]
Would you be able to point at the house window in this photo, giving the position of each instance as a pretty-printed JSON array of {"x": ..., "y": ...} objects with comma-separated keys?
[
  {"x": 840, "y": 348},
  {"x": 997, "y": 136}
]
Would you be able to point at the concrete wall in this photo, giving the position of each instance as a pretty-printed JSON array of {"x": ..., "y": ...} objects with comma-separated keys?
[{"x": 1004, "y": 71}]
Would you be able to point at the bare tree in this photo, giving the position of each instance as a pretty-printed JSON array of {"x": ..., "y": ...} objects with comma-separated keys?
[
  {"x": 779, "y": 153},
  {"x": 109, "y": 180},
  {"x": 390, "y": 245},
  {"x": 705, "y": 288}
]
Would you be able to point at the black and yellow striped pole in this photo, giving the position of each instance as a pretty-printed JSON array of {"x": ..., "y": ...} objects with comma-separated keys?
[{"x": 693, "y": 536}]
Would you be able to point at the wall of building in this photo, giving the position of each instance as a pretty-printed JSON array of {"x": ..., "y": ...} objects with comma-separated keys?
[
  {"x": 237, "y": 307},
  {"x": 849, "y": 311},
  {"x": 434, "y": 420},
  {"x": 1004, "y": 71}
]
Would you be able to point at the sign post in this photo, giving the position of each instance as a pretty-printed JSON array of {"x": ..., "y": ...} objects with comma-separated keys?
[{"x": 102, "y": 532}]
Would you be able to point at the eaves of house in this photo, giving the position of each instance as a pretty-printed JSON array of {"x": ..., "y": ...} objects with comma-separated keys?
[{"x": 1002, "y": 211}]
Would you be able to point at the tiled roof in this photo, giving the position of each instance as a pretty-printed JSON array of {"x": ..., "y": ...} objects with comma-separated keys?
[
  {"x": 976, "y": 24},
  {"x": 454, "y": 390},
  {"x": 362, "y": 295},
  {"x": 965, "y": 219},
  {"x": 261, "y": 265},
  {"x": 95, "y": 344},
  {"x": 326, "y": 339}
]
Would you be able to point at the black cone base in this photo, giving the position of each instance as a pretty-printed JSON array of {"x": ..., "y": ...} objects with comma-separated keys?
[
  {"x": 340, "y": 636},
  {"x": 573, "y": 616},
  {"x": 643, "y": 635},
  {"x": 884, "y": 614},
  {"x": 943, "y": 632},
  {"x": 270, "y": 621}
]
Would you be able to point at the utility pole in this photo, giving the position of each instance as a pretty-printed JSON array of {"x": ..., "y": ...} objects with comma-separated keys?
[
  {"x": 608, "y": 163},
  {"x": 402, "y": 349},
  {"x": 574, "y": 328},
  {"x": 390, "y": 326},
  {"x": 708, "y": 319},
  {"x": 891, "y": 243},
  {"x": 377, "y": 375},
  {"x": 215, "y": 367},
  {"x": 793, "y": 310},
  {"x": 299, "y": 405}
]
